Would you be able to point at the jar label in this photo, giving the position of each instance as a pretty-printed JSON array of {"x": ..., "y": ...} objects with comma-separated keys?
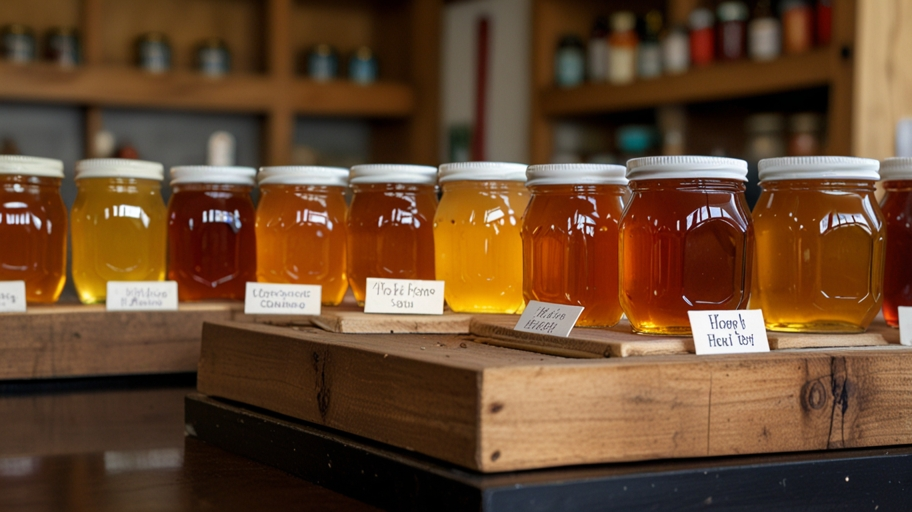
[
  {"x": 403, "y": 296},
  {"x": 282, "y": 299},
  {"x": 141, "y": 296},
  {"x": 905, "y": 325},
  {"x": 728, "y": 332},
  {"x": 548, "y": 318},
  {"x": 12, "y": 296}
]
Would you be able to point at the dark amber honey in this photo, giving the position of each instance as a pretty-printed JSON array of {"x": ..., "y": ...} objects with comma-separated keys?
[{"x": 897, "y": 211}]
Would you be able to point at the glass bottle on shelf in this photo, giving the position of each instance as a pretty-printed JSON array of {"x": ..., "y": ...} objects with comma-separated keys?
[
  {"x": 732, "y": 30},
  {"x": 804, "y": 134},
  {"x": 597, "y": 57},
  {"x": 764, "y": 33},
  {"x": 622, "y": 46},
  {"x": 702, "y": 37},
  {"x": 649, "y": 53},
  {"x": 824, "y": 21},
  {"x": 797, "y": 26},
  {"x": 569, "y": 62},
  {"x": 676, "y": 51}
]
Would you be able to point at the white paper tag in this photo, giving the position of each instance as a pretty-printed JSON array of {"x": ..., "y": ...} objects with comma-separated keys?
[
  {"x": 905, "y": 325},
  {"x": 12, "y": 296},
  {"x": 405, "y": 296},
  {"x": 142, "y": 296},
  {"x": 282, "y": 299},
  {"x": 728, "y": 332},
  {"x": 548, "y": 318}
]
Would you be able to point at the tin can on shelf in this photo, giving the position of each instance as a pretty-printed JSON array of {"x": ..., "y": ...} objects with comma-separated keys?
[
  {"x": 18, "y": 43},
  {"x": 33, "y": 226},
  {"x": 154, "y": 52},
  {"x": 570, "y": 238},
  {"x": 820, "y": 244},
  {"x": 323, "y": 63},
  {"x": 686, "y": 241},
  {"x": 362, "y": 66},
  {"x": 62, "y": 47},
  {"x": 213, "y": 57}
]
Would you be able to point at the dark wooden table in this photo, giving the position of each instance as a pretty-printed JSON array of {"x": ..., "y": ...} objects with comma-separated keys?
[{"x": 119, "y": 444}]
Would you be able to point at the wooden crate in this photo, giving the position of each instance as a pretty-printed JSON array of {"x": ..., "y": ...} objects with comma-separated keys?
[{"x": 496, "y": 409}]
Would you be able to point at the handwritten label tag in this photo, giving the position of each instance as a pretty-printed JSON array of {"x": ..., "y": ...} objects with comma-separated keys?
[
  {"x": 142, "y": 296},
  {"x": 405, "y": 296},
  {"x": 728, "y": 332},
  {"x": 905, "y": 325},
  {"x": 282, "y": 299},
  {"x": 12, "y": 296},
  {"x": 548, "y": 318}
]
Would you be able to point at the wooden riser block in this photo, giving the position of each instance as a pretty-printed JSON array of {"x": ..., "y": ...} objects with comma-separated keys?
[
  {"x": 620, "y": 341},
  {"x": 358, "y": 322},
  {"x": 494, "y": 409}
]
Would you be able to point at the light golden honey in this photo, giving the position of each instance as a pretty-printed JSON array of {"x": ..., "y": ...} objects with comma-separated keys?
[{"x": 477, "y": 234}]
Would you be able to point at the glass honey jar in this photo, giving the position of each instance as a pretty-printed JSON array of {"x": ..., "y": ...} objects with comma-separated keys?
[
  {"x": 686, "y": 241},
  {"x": 300, "y": 228},
  {"x": 896, "y": 206},
  {"x": 118, "y": 225},
  {"x": 477, "y": 238},
  {"x": 570, "y": 238},
  {"x": 211, "y": 234},
  {"x": 390, "y": 234},
  {"x": 820, "y": 244},
  {"x": 33, "y": 226}
]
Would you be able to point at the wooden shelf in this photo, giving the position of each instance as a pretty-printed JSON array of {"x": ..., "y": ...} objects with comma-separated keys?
[
  {"x": 343, "y": 98},
  {"x": 716, "y": 82}
]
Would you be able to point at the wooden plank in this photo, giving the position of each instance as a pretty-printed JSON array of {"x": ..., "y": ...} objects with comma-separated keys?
[
  {"x": 712, "y": 83},
  {"x": 493, "y": 409},
  {"x": 354, "y": 322},
  {"x": 344, "y": 98},
  {"x": 79, "y": 341}
]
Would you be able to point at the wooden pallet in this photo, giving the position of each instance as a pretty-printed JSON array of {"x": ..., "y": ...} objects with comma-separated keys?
[{"x": 495, "y": 409}]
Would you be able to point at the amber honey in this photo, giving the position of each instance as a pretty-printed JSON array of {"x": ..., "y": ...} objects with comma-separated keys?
[
  {"x": 820, "y": 245},
  {"x": 897, "y": 212},
  {"x": 390, "y": 230},
  {"x": 478, "y": 244},
  {"x": 570, "y": 239},
  {"x": 211, "y": 233},
  {"x": 33, "y": 226},
  {"x": 686, "y": 241},
  {"x": 118, "y": 225},
  {"x": 300, "y": 228}
]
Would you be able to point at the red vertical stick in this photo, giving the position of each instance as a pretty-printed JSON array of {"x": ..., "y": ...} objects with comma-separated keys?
[{"x": 481, "y": 91}]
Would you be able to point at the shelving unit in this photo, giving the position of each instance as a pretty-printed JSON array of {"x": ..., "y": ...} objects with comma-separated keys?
[
  {"x": 265, "y": 39},
  {"x": 831, "y": 68}
]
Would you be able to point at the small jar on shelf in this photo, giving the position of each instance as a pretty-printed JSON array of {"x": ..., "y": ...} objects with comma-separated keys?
[
  {"x": 805, "y": 131},
  {"x": 764, "y": 33},
  {"x": 676, "y": 51},
  {"x": 597, "y": 54},
  {"x": 154, "y": 52},
  {"x": 732, "y": 30},
  {"x": 362, "y": 66},
  {"x": 569, "y": 62},
  {"x": 649, "y": 52},
  {"x": 62, "y": 47},
  {"x": 797, "y": 26},
  {"x": 702, "y": 37},
  {"x": 213, "y": 58},
  {"x": 622, "y": 48},
  {"x": 322, "y": 63},
  {"x": 18, "y": 43}
]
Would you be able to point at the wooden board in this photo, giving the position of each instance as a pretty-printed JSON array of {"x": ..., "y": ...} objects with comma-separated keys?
[
  {"x": 396, "y": 480},
  {"x": 356, "y": 321},
  {"x": 78, "y": 341},
  {"x": 619, "y": 341},
  {"x": 494, "y": 409}
]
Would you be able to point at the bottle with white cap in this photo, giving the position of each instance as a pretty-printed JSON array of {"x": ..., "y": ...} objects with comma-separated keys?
[
  {"x": 119, "y": 225},
  {"x": 686, "y": 241},
  {"x": 570, "y": 238},
  {"x": 820, "y": 244},
  {"x": 33, "y": 226},
  {"x": 477, "y": 236},
  {"x": 211, "y": 236},
  {"x": 896, "y": 174},
  {"x": 300, "y": 228},
  {"x": 389, "y": 224}
]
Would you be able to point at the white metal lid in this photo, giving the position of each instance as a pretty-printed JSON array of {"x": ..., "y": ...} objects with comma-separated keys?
[
  {"x": 482, "y": 171},
  {"x": 897, "y": 168},
  {"x": 576, "y": 174},
  {"x": 31, "y": 166},
  {"x": 393, "y": 173},
  {"x": 686, "y": 167},
  {"x": 221, "y": 175},
  {"x": 119, "y": 168},
  {"x": 303, "y": 175},
  {"x": 818, "y": 168}
]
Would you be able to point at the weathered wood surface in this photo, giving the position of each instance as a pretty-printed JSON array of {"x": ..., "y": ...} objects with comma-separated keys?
[
  {"x": 495, "y": 409},
  {"x": 619, "y": 341},
  {"x": 356, "y": 321},
  {"x": 77, "y": 340}
]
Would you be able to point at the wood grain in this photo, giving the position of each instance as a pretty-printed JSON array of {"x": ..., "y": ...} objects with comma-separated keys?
[
  {"x": 355, "y": 322},
  {"x": 494, "y": 409}
]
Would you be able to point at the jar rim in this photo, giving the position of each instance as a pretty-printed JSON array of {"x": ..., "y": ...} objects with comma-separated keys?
[
  {"x": 686, "y": 167},
  {"x": 119, "y": 168},
  {"x": 818, "y": 167},
  {"x": 213, "y": 174},
  {"x": 316, "y": 175},
  {"x": 31, "y": 166},
  {"x": 393, "y": 173},
  {"x": 896, "y": 169},
  {"x": 576, "y": 174},
  {"x": 482, "y": 171}
]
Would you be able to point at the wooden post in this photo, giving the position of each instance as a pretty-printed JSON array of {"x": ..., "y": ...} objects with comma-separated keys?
[{"x": 278, "y": 127}]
